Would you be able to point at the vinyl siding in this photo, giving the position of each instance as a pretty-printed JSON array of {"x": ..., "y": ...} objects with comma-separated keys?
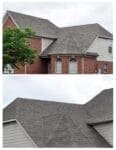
[
  {"x": 14, "y": 136},
  {"x": 100, "y": 46},
  {"x": 105, "y": 130},
  {"x": 45, "y": 43}
]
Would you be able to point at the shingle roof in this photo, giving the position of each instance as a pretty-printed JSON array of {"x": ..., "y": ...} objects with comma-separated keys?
[
  {"x": 55, "y": 124},
  {"x": 69, "y": 40},
  {"x": 100, "y": 108},
  {"x": 42, "y": 27},
  {"x": 76, "y": 39}
]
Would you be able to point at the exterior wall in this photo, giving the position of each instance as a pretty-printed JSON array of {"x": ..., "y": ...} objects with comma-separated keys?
[
  {"x": 45, "y": 43},
  {"x": 100, "y": 46},
  {"x": 84, "y": 64},
  {"x": 100, "y": 65},
  {"x": 105, "y": 130},
  {"x": 39, "y": 66},
  {"x": 90, "y": 65},
  {"x": 14, "y": 136}
]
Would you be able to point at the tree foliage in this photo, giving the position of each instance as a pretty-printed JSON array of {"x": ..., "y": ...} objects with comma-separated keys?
[{"x": 17, "y": 48}]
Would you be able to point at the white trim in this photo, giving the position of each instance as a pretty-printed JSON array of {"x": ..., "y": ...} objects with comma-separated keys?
[
  {"x": 10, "y": 120},
  {"x": 15, "y": 120}
]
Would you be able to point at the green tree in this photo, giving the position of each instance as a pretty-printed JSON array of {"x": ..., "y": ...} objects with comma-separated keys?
[{"x": 16, "y": 47}]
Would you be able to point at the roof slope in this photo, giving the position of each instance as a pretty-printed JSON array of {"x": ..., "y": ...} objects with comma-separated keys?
[
  {"x": 55, "y": 124},
  {"x": 100, "y": 108},
  {"x": 42, "y": 27},
  {"x": 76, "y": 39},
  {"x": 70, "y": 40}
]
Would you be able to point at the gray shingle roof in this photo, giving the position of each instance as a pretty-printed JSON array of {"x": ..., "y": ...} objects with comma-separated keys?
[
  {"x": 70, "y": 40},
  {"x": 76, "y": 39},
  {"x": 42, "y": 27},
  {"x": 101, "y": 107},
  {"x": 55, "y": 124}
]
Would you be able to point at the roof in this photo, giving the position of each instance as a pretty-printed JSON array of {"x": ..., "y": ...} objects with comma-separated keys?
[
  {"x": 68, "y": 40},
  {"x": 56, "y": 124},
  {"x": 100, "y": 108},
  {"x": 76, "y": 39},
  {"x": 42, "y": 27}
]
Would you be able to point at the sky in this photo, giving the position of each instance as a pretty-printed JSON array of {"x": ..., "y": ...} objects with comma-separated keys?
[
  {"x": 73, "y": 88},
  {"x": 67, "y": 13},
  {"x": 76, "y": 89}
]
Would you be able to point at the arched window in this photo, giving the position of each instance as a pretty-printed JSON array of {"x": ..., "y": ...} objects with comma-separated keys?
[
  {"x": 58, "y": 65},
  {"x": 73, "y": 66}
]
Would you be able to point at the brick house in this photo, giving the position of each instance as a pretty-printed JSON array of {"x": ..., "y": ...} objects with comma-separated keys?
[{"x": 83, "y": 49}]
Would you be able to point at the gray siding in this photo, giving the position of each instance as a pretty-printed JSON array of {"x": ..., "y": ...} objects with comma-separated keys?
[
  {"x": 105, "y": 130},
  {"x": 100, "y": 46},
  {"x": 14, "y": 136},
  {"x": 46, "y": 43}
]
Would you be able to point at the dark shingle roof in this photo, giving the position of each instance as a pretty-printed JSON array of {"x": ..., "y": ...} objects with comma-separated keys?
[
  {"x": 100, "y": 108},
  {"x": 55, "y": 124},
  {"x": 76, "y": 39},
  {"x": 70, "y": 40},
  {"x": 42, "y": 27}
]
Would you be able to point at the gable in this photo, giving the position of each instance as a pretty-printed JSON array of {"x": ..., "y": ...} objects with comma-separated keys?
[
  {"x": 9, "y": 23},
  {"x": 15, "y": 136},
  {"x": 42, "y": 27}
]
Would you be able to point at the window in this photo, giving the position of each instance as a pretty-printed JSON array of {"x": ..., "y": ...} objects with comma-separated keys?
[
  {"x": 73, "y": 65},
  {"x": 105, "y": 68},
  {"x": 58, "y": 65},
  {"x": 8, "y": 69},
  {"x": 110, "y": 49}
]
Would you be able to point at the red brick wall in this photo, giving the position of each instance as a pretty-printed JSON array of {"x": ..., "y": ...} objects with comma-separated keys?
[
  {"x": 39, "y": 66},
  {"x": 65, "y": 63},
  {"x": 100, "y": 64},
  {"x": 89, "y": 64}
]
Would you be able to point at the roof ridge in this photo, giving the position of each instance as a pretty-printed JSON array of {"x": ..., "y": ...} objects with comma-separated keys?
[
  {"x": 38, "y": 100},
  {"x": 9, "y": 11},
  {"x": 79, "y": 25}
]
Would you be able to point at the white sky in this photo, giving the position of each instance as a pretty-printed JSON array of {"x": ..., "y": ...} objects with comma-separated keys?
[
  {"x": 66, "y": 13},
  {"x": 63, "y": 88}
]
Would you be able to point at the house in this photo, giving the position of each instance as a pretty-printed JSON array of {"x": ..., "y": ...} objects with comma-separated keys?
[
  {"x": 36, "y": 123},
  {"x": 83, "y": 49}
]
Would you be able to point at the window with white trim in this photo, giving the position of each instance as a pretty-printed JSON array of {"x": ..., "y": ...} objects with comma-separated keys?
[
  {"x": 73, "y": 66},
  {"x": 8, "y": 69},
  {"x": 58, "y": 65}
]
